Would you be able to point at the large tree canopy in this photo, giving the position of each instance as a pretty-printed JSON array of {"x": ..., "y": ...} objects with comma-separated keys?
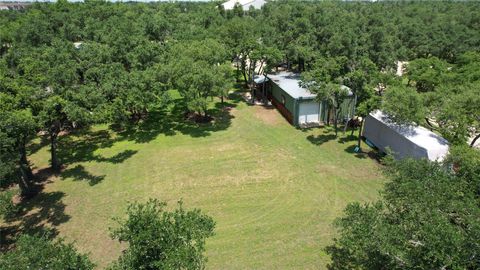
[
  {"x": 159, "y": 239},
  {"x": 34, "y": 252},
  {"x": 427, "y": 218}
]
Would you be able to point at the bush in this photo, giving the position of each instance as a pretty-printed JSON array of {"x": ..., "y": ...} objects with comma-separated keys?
[
  {"x": 7, "y": 207},
  {"x": 163, "y": 240},
  {"x": 34, "y": 252}
]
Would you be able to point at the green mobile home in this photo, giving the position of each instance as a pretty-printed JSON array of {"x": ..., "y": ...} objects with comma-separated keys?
[{"x": 298, "y": 105}]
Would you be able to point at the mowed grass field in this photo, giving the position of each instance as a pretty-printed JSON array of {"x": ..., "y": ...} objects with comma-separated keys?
[{"x": 273, "y": 190}]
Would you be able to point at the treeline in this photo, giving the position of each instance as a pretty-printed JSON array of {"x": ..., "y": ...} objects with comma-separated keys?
[{"x": 384, "y": 31}]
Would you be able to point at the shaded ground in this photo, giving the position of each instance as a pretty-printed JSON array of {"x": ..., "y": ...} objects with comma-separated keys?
[{"x": 272, "y": 189}]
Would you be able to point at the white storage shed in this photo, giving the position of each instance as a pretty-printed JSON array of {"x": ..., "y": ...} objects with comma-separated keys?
[{"x": 404, "y": 140}]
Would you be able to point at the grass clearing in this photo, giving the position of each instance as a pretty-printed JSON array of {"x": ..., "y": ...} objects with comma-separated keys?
[{"x": 273, "y": 190}]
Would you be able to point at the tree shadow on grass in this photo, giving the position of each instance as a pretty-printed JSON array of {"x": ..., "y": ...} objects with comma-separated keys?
[
  {"x": 347, "y": 139},
  {"x": 351, "y": 150},
  {"x": 321, "y": 139},
  {"x": 118, "y": 158},
  {"x": 81, "y": 147},
  {"x": 176, "y": 121},
  {"x": 78, "y": 173},
  {"x": 372, "y": 154},
  {"x": 39, "y": 215}
]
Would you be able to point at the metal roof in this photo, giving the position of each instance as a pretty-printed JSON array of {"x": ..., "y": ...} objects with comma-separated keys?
[
  {"x": 290, "y": 83},
  {"x": 435, "y": 145},
  {"x": 260, "y": 79}
]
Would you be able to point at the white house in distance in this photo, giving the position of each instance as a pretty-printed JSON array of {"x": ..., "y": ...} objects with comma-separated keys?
[
  {"x": 401, "y": 66},
  {"x": 404, "y": 140},
  {"x": 245, "y": 4}
]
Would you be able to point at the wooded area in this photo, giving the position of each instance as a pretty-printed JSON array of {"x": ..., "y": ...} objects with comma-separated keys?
[{"x": 67, "y": 66}]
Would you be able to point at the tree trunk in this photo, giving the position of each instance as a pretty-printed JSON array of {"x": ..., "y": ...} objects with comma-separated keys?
[
  {"x": 238, "y": 73},
  {"x": 24, "y": 164},
  {"x": 432, "y": 127},
  {"x": 26, "y": 181},
  {"x": 244, "y": 72},
  {"x": 360, "y": 133},
  {"x": 260, "y": 71},
  {"x": 53, "y": 151},
  {"x": 345, "y": 127},
  {"x": 328, "y": 117},
  {"x": 354, "y": 122},
  {"x": 301, "y": 64},
  {"x": 264, "y": 95},
  {"x": 474, "y": 140},
  {"x": 223, "y": 103},
  {"x": 335, "y": 120},
  {"x": 26, "y": 186}
]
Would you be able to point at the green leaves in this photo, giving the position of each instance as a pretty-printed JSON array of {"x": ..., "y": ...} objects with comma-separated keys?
[
  {"x": 427, "y": 218},
  {"x": 198, "y": 71},
  {"x": 35, "y": 252},
  {"x": 403, "y": 104},
  {"x": 159, "y": 239},
  {"x": 7, "y": 207},
  {"x": 428, "y": 73}
]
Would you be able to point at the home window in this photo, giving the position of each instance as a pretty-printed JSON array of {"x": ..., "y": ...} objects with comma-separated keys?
[{"x": 283, "y": 99}]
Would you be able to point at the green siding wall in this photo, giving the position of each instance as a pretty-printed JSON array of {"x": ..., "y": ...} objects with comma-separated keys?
[
  {"x": 277, "y": 92},
  {"x": 292, "y": 105}
]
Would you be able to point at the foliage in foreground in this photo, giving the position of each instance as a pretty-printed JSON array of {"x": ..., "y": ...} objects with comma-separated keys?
[
  {"x": 159, "y": 239},
  {"x": 7, "y": 206},
  {"x": 428, "y": 218},
  {"x": 33, "y": 252}
]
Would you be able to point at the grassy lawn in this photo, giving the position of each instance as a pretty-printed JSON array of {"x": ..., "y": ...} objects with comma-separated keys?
[{"x": 273, "y": 190}]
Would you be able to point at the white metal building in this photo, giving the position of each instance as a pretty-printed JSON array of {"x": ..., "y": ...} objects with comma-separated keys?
[
  {"x": 404, "y": 140},
  {"x": 245, "y": 4}
]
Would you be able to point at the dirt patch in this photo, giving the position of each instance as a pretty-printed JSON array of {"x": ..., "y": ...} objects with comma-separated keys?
[{"x": 268, "y": 114}]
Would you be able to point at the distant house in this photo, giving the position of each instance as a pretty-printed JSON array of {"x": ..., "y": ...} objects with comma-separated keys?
[
  {"x": 403, "y": 140},
  {"x": 401, "y": 66},
  {"x": 78, "y": 44},
  {"x": 297, "y": 104},
  {"x": 14, "y": 5},
  {"x": 245, "y": 4}
]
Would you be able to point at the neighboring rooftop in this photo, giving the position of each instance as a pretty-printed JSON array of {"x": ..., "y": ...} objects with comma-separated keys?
[
  {"x": 13, "y": 5},
  {"x": 78, "y": 44},
  {"x": 245, "y": 4},
  {"x": 436, "y": 146}
]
